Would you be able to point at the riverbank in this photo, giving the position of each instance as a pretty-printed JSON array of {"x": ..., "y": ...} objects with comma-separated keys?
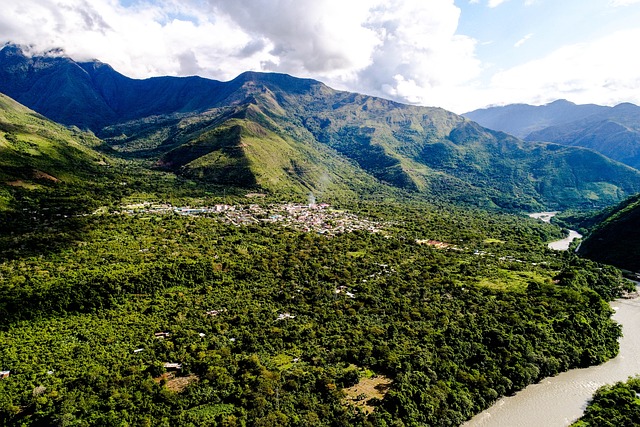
[
  {"x": 563, "y": 244},
  {"x": 560, "y": 400}
]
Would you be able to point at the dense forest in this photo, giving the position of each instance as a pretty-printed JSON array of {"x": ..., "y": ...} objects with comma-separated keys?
[
  {"x": 617, "y": 405},
  {"x": 115, "y": 314}
]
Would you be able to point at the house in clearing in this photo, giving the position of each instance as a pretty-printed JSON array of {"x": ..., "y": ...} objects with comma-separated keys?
[
  {"x": 169, "y": 365},
  {"x": 4, "y": 374}
]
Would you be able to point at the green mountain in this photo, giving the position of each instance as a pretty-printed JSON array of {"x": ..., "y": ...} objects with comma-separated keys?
[
  {"x": 614, "y": 132},
  {"x": 522, "y": 119},
  {"x": 281, "y": 133},
  {"x": 35, "y": 150},
  {"x": 277, "y": 133},
  {"x": 616, "y": 240}
]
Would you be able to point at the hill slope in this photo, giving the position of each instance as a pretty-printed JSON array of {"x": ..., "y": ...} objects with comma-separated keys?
[
  {"x": 34, "y": 149},
  {"x": 616, "y": 240},
  {"x": 417, "y": 149},
  {"x": 614, "y": 132},
  {"x": 280, "y": 133}
]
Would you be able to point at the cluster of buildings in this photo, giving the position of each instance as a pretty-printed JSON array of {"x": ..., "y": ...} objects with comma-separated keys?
[{"x": 319, "y": 218}]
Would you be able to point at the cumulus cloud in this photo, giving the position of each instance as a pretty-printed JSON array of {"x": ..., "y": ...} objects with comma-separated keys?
[
  {"x": 604, "y": 71},
  {"x": 140, "y": 41},
  {"x": 320, "y": 36},
  {"x": 406, "y": 50},
  {"x": 420, "y": 56}
]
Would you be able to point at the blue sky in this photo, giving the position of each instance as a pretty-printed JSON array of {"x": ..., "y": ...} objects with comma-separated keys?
[
  {"x": 517, "y": 31},
  {"x": 455, "y": 54}
]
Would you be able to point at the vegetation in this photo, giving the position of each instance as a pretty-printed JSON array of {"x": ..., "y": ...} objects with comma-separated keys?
[
  {"x": 36, "y": 153},
  {"x": 617, "y": 405},
  {"x": 113, "y": 313},
  {"x": 453, "y": 327},
  {"x": 615, "y": 238}
]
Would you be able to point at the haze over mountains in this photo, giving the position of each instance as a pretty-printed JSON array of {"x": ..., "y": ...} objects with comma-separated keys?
[
  {"x": 612, "y": 131},
  {"x": 284, "y": 134}
]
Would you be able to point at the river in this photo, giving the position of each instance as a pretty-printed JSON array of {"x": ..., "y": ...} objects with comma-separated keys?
[
  {"x": 560, "y": 400},
  {"x": 558, "y": 245},
  {"x": 563, "y": 245}
]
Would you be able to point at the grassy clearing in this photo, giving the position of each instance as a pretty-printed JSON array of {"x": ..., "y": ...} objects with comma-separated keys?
[
  {"x": 360, "y": 395},
  {"x": 508, "y": 280}
]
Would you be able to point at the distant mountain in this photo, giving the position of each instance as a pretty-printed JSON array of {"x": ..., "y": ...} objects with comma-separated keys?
[
  {"x": 522, "y": 119},
  {"x": 616, "y": 240},
  {"x": 284, "y": 134},
  {"x": 34, "y": 150},
  {"x": 612, "y": 131}
]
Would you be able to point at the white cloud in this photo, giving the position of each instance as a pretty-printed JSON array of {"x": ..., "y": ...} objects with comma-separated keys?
[
  {"x": 617, "y": 3},
  {"x": 420, "y": 53},
  {"x": 604, "y": 71},
  {"x": 495, "y": 3},
  {"x": 404, "y": 49},
  {"x": 321, "y": 36},
  {"x": 523, "y": 40},
  {"x": 140, "y": 41},
  {"x": 407, "y": 50}
]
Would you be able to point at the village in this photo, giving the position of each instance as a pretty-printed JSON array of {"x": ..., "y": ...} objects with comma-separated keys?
[{"x": 318, "y": 218}]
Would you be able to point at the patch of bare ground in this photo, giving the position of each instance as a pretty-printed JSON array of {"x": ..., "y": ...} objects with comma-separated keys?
[
  {"x": 176, "y": 384},
  {"x": 435, "y": 243},
  {"x": 360, "y": 395},
  {"x": 22, "y": 184},
  {"x": 43, "y": 175}
]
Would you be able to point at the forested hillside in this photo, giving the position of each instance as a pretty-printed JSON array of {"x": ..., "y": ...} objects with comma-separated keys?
[
  {"x": 611, "y": 131},
  {"x": 614, "y": 132},
  {"x": 522, "y": 119},
  {"x": 188, "y": 270},
  {"x": 616, "y": 238}
]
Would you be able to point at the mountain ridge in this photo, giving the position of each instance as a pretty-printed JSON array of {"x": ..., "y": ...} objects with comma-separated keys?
[
  {"x": 611, "y": 131},
  {"x": 355, "y": 139}
]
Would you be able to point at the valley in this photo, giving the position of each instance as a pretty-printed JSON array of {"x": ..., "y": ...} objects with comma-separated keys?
[{"x": 269, "y": 251}]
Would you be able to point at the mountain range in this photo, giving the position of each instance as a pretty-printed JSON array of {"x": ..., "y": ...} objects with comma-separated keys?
[
  {"x": 612, "y": 131},
  {"x": 288, "y": 135}
]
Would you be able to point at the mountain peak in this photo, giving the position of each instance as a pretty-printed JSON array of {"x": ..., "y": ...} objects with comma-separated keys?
[
  {"x": 560, "y": 102},
  {"x": 278, "y": 80}
]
